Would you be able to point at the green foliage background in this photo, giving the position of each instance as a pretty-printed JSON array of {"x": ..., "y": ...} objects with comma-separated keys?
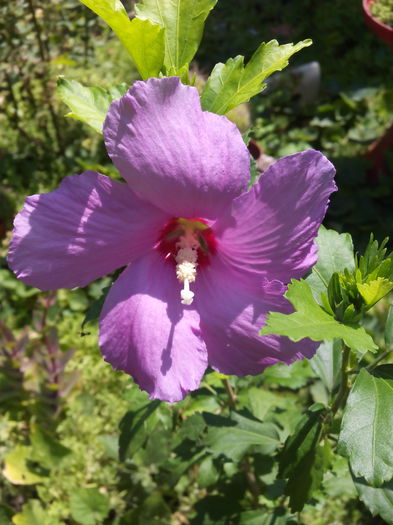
[{"x": 63, "y": 409}]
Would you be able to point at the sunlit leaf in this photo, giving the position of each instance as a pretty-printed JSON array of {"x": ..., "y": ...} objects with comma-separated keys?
[
  {"x": 234, "y": 436},
  {"x": 310, "y": 320},
  {"x": 88, "y": 506},
  {"x": 88, "y": 104},
  {"x": 143, "y": 39},
  {"x": 367, "y": 426},
  {"x": 373, "y": 291},
  {"x": 183, "y": 21},
  {"x": 32, "y": 514},
  {"x": 20, "y": 467},
  {"x": 379, "y": 501},
  {"x": 335, "y": 253},
  {"x": 326, "y": 363},
  {"x": 233, "y": 83},
  {"x": 293, "y": 376}
]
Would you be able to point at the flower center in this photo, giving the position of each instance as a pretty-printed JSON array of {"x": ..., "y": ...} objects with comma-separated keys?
[{"x": 187, "y": 243}]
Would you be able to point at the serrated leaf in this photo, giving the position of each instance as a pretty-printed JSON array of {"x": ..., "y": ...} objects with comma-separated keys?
[
  {"x": 183, "y": 21},
  {"x": 88, "y": 104},
  {"x": 234, "y": 436},
  {"x": 310, "y": 320},
  {"x": 303, "y": 458},
  {"x": 88, "y": 506},
  {"x": 326, "y": 363},
  {"x": 367, "y": 426},
  {"x": 335, "y": 253},
  {"x": 379, "y": 501},
  {"x": 143, "y": 40},
  {"x": 373, "y": 291},
  {"x": 232, "y": 83}
]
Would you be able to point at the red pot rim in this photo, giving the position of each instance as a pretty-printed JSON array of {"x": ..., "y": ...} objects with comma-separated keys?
[{"x": 382, "y": 30}]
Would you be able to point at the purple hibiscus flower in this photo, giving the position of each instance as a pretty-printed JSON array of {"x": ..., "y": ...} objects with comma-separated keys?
[{"x": 205, "y": 259}]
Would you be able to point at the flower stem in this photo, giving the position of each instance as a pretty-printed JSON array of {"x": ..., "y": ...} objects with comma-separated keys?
[
  {"x": 344, "y": 387},
  {"x": 230, "y": 392}
]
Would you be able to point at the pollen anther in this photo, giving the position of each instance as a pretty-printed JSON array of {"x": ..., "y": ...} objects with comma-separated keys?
[{"x": 186, "y": 266}]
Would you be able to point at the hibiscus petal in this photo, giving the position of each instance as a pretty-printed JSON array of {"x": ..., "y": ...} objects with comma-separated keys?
[
  {"x": 88, "y": 227},
  {"x": 270, "y": 230},
  {"x": 145, "y": 331},
  {"x": 232, "y": 313},
  {"x": 188, "y": 162}
]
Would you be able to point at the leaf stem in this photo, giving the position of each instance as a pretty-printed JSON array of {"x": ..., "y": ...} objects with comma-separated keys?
[
  {"x": 344, "y": 387},
  {"x": 380, "y": 358}
]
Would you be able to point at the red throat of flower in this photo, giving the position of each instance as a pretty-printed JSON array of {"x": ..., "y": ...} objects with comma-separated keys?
[{"x": 188, "y": 244}]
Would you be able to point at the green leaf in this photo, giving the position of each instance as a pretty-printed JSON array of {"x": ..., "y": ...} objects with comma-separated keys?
[
  {"x": 143, "y": 40},
  {"x": 389, "y": 327},
  {"x": 192, "y": 427},
  {"x": 94, "y": 310},
  {"x": 335, "y": 253},
  {"x": 232, "y": 83},
  {"x": 367, "y": 426},
  {"x": 303, "y": 458},
  {"x": 310, "y": 320},
  {"x": 379, "y": 501},
  {"x": 373, "y": 291},
  {"x": 183, "y": 21},
  {"x": 135, "y": 427},
  {"x": 21, "y": 469},
  {"x": 293, "y": 376},
  {"x": 6, "y": 513},
  {"x": 234, "y": 436},
  {"x": 88, "y": 506},
  {"x": 326, "y": 363},
  {"x": 207, "y": 473},
  {"x": 311, "y": 473},
  {"x": 153, "y": 510},
  {"x": 88, "y": 104},
  {"x": 46, "y": 449},
  {"x": 303, "y": 440},
  {"x": 32, "y": 514}
]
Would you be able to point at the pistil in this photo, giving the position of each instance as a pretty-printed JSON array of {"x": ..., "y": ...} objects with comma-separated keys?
[
  {"x": 189, "y": 244},
  {"x": 186, "y": 265}
]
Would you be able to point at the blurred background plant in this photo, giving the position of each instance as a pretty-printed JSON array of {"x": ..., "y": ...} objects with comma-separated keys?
[
  {"x": 60, "y": 403},
  {"x": 383, "y": 10}
]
